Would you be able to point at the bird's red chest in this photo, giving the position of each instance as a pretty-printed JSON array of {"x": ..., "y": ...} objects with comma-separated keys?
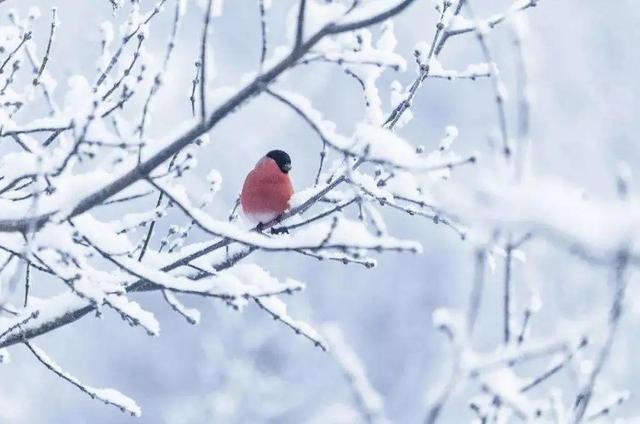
[{"x": 266, "y": 191}]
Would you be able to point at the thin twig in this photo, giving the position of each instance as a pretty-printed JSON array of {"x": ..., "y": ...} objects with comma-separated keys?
[
  {"x": 475, "y": 297},
  {"x": 507, "y": 293},
  {"x": 27, "y": 285},
  {"x": 25, "y": 37},
  {"x": 203, "y": 60},
  {"x": 615, "y": 313},
  {"x": 105, "y": 395},
  {"x": 47, "y": 53},
  {"x": 496, "y": 83},
  {"x": 125, "y": 41},
  {"x": 263, "y": 35}
]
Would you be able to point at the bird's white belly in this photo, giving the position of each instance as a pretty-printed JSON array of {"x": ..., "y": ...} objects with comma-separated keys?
[{"x": 260, "y": 217}]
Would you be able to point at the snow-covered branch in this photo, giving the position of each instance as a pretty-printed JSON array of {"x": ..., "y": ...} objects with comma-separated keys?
[{"x": 104, "y": 194}]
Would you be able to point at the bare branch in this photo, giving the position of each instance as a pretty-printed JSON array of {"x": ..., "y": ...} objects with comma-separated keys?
[
  {"x": 47, "y": 52},
  {"x": 203, "y": 60},
  {"x": 300, "y": 24}
]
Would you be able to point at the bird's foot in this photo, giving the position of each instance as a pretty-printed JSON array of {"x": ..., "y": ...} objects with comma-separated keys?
[{"x": 279, "y": 230}]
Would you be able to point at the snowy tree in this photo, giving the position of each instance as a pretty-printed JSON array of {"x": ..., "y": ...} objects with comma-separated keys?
[{"x": 111, "y": 189}]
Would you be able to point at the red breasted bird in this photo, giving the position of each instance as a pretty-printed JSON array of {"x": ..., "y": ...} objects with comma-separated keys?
[{"x": 267, "y": 189}]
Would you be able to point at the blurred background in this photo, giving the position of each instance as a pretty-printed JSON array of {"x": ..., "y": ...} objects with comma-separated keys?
[{"x": 243, "y": 367}]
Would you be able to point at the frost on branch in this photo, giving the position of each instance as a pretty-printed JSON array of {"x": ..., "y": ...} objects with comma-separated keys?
[
  {"x": 91, "y": 154},
  {"x": 108, "y": 396}
]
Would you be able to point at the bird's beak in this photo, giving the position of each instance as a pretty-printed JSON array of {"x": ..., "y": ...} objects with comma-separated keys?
[{"x": 286, "y": 167}]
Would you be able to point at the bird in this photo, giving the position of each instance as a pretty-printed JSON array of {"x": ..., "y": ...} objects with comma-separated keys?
[{"x": 267, "y": 189}]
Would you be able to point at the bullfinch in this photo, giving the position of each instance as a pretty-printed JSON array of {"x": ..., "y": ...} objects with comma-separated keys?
[{"x": 267, "y": 189}]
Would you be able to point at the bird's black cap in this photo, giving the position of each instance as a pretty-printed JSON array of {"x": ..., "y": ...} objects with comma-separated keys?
[{"x": 282, "y": 159}]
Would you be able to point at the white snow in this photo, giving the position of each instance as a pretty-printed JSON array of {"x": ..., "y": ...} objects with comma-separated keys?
[{"x": 108, "y": 396}]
